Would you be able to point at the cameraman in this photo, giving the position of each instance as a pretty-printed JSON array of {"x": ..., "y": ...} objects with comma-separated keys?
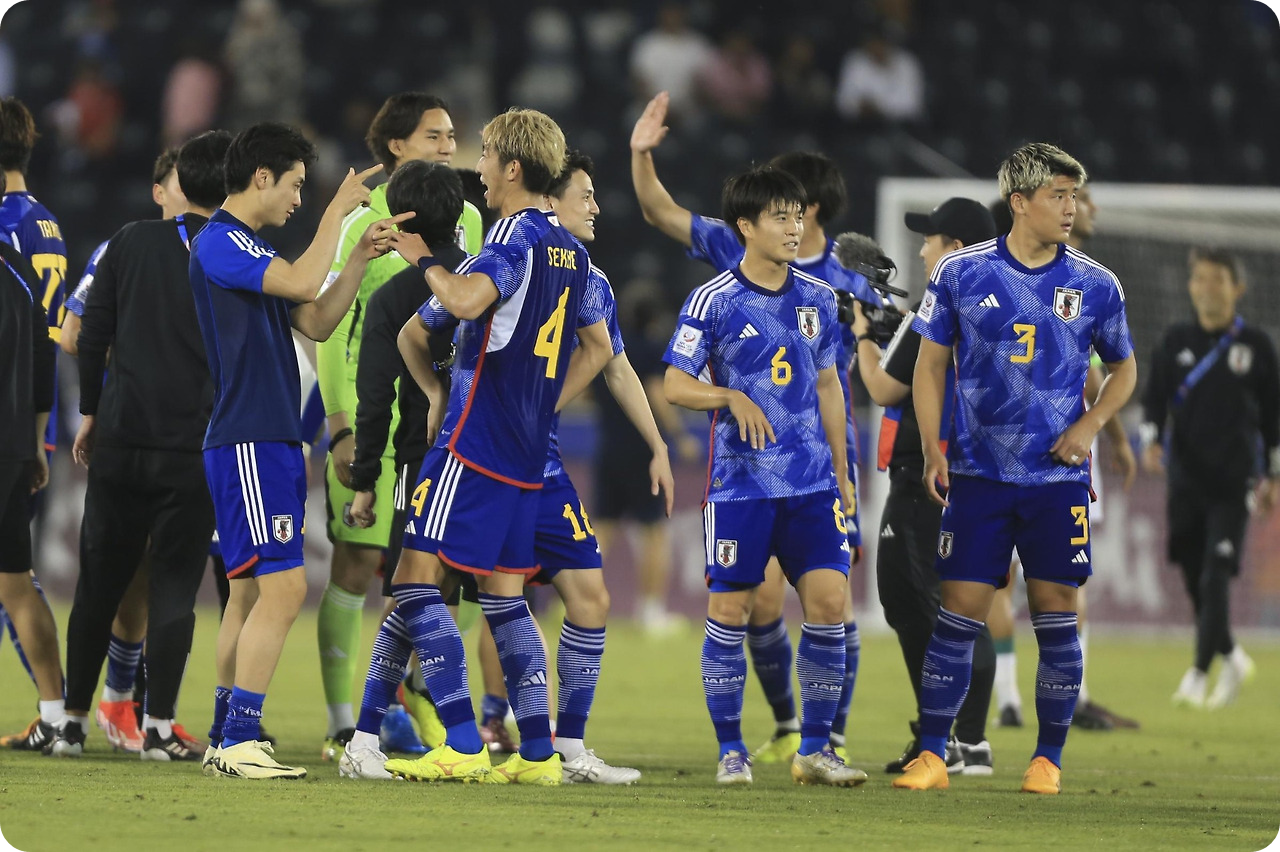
[{"x": 909, "y": 588}]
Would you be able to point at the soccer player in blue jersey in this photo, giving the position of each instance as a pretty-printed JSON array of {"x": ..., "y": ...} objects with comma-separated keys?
[
  {"x": 248, "y": 300},
  {"x": 758, "y": 347},
  {"x": 475, "y": 503},
  {"x": 1020, "y": 314},
  {"x": 714, "y": 242}
]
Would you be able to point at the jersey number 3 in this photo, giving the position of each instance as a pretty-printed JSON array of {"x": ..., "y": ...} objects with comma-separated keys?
[
  {"x": 1027, "y": 337},
  {"x": 547, "y": 344}
]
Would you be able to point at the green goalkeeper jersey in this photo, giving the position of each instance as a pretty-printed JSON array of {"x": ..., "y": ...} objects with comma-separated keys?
[{"x": 338, "y": 357}]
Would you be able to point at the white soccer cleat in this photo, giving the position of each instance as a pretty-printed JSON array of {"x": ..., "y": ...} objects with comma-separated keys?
[
  {"x": 1237, "y": 668},
  {"x": 252, "y": 759},
  {"x": 1192, "y": 689},
  {"x": 363, "y": 763},
  {"x": 734, "y": 768},
  {"x": 825, "y": 767},
  {"x": 586, "y": 768}
]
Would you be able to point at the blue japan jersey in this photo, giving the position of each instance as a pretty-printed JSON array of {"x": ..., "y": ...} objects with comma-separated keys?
[
  {"x": 715, "y": 243},
  {"x": 510, "y": 363},
  {"x": 28, "y": 226},
  {"x": 247, "y": 335},
  {"x": 1022, "y": 339},
  {"x": 75, "y": 302},
  {"x": 770, "y": 345},
  {"x": 599, "y": 304}
]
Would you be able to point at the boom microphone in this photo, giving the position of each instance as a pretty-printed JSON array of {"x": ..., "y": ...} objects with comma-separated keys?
[{"x": 860, "y": 253}]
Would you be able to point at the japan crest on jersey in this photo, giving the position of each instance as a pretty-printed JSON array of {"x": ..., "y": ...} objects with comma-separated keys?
[
  {"x": 944, "y": 544},
  {"x": 1240, "y": 358},
  {"x": 807, "y": 319},
  {"x": 726, "y": 551},
  {"x": 1067, "y": 303},
  {"x": 282, "y": 528}
]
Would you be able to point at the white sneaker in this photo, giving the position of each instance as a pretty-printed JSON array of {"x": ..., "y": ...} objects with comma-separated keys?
[
  {"x": 206, "y": 763},
  {"x": 734, "y": 768},
  {"x": 825, "y": 767},
  {"x": 252, "y": 759},
  {"x": 1237, "y": 667},
  {"x": 363, "y": 763},
  {"x": 1191, "y": 691},
  {"x": 587, "y": 768}
]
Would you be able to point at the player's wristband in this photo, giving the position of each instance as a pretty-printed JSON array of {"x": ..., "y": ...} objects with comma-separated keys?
[
  {"x": 340, "y": 435},
  {"x": 867, "y": 336},
  {"x": 427, "y": 261}
]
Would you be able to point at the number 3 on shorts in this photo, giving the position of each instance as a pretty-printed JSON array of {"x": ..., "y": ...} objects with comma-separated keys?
[{"x": 1081, "y": 514}]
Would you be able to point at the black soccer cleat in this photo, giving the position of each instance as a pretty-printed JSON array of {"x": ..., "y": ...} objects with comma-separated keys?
[{"x": 170, "y": 748}]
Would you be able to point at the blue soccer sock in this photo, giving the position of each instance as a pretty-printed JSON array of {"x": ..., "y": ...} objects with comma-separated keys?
[
  {"x": 771, "y": 658},
  {"x": 578, "y": 670},
  {"x": 852, "y": 650},
  {"x": 391, "y": 649},
  {"x": 244, "y": 717},
  {"x": 820, "y": 664},
  {"x": 524, "y": 667},
  {"x": 948, "y": 665},
  {"x": 17, "y": 643},
  {"x": 221, "y": 697},
  {"x": 493, "y": 707},
  {"x": 1057, "y": 680},
  {"x": 122, "y": 664},
  {"x": 724, "y": 674},
  {"x": 442, "y": 659}
]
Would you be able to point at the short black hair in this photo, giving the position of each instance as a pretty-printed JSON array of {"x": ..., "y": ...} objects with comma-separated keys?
[
  {"x": 17, "y": 135},
  {"x": 165, "y": 163},
  {"x": 751, "y": 193},
  {"x": 1218, "y": 257},
  {"x": 200, "y": 168},
  {"x": 433, "y": 191},
  {"x": 574, "y": 161},
  {"x": 1003, "y": 214},
  {"x": 275, "y": 147},
  {"x": 397, "y": 119},
  {"x": 821, "y": 179}
]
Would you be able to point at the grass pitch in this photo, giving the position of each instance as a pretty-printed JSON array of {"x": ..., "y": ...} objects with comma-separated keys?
[{"x": 1184, "y": 781}]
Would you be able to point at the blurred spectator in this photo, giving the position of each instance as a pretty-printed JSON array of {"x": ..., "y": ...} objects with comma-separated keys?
[
  {"x": 191, "y": 96},
  {"x": 736, "y": 81},
  {"x": 669, "y": 59},
  {"x": 264, "y": 56},
  {"x": 804, "y": 91},
  {"x": 88, "y": 118},
  {"x": 881, "y": 81},
  {"x": 7, "y": 79},
  {"x": 92, "y": 25},
  {"x": 549, "y": 81}
]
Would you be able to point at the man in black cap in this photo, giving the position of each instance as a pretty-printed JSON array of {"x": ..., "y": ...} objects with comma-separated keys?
[{"x": 909, "y": 586}]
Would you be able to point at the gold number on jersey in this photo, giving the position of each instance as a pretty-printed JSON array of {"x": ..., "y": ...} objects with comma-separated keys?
[
  {"x": 1027, "y": 337},
  {"x": 548, "y": 343},
  {"x": 580, "y": 530},
  {"x": 840, "y": 524},
  {"x": 419, "y": 498},
  {"x": 52, "y": 268},
  {"x": 1081, "y": 514},
  {"x": 781, "y": 369}
]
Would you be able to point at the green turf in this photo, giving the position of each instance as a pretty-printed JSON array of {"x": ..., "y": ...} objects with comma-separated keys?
[{"x": 1185, "y": 781}]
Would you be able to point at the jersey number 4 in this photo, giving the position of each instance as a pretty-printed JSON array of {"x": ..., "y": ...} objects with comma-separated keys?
[{"x": 547, "y": 344}]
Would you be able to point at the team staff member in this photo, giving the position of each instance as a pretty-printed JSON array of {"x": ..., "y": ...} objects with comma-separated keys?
[
  {"x": 1214, "y": 396},
  {"x": 909, "y": 590}
]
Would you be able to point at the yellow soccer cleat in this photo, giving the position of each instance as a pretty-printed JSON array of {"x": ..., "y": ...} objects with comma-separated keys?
[
  {"x": 1042, "y": 777},
  {"x": 430, "y": 728},
  {"x": 331, "y": 748},
  {"x": 442, "y": 764},
  {"x": 517, "y": 770},
  {"x": 780, "y": 749},
  {"x": 926, "y": 772},
  {"x": 252, "y": 759}
]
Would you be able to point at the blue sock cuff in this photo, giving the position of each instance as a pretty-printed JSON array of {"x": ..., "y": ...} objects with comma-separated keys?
[
  {"x": 829, "y": 635},
  {"x": 764, "y": 633},
  {"x": 424, "y": 593},
  {"x": 585, "y": 640},
  {"x": 725, "y": 634},
  {"x": 500, "y": 610},
  {"x": 955, "y": 627},
  {"x": 221, "y": 692},
  {"x": 244, "y": 696}
]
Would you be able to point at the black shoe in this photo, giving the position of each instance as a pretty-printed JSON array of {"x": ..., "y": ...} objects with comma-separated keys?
[
  {"x": 168, "y": 748},
  {"x": 1010, "y": 717},
  {"x": 1116, "y": 720},
  {"x": 69, "y": 741},
  {"x": 40, "y": 737},
  {"x": 1088, "y": 717},
  {"x": 955, "y": 756},
  {"x": 977, "y": 759},
  {"x": 910, "y": 753}
]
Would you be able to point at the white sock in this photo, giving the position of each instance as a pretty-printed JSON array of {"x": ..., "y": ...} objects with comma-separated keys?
[
  {"x": 340, "y": 718},
  {"x": 791, "y": 725},
  {"x": 109, "y": 694},
  {"x": 164, "y": 727},
  {"x": 361, "y": 740},
  {"x": 569, "y": 748},
  {"x": 53, "y": 712},
  {"x": 836, "y": 739},
  {"x": 1007, "y": 680},
  {"x": 80, "y": 719},
  {"x": 1084, "y": 660}
]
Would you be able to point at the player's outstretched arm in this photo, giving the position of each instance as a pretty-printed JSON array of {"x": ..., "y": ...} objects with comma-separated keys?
[
  {"x": 625, "y": 385},
  {"x": 929, "y": 384},
  {"x": 831, "y": 407},
  {"x": 1072, "y": 446},
  {"x": 685, "y": 390},
  {"x": 594, "y": 351},
  {"x": 659, "y": 208}
]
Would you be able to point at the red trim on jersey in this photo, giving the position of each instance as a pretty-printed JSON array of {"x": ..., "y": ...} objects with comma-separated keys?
[
  {"x": 527, "y": 572},
  {"x": 470, "y": 569},
  {"x": 484, "y": 471},
  {"x": 711, "y": 454},
  {"x": 237, "y": 571}
]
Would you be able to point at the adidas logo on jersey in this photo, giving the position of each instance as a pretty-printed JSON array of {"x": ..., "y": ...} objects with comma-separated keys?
[
  {"x": 1080, "y": 558},
  {"x": 990, "y": 301},
  {"x": 888, "y": 532},
  {"x": 749, "y": 331}
]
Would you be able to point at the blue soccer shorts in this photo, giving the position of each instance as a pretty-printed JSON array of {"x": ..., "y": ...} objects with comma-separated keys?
[
  {"x": 1047, "y": 524},
  {"x": 470, "y": 521},
  {"x": 259, "y": 493},
  {"x": 805, "y": 532},
  {"x": 563, "y": 539}
]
